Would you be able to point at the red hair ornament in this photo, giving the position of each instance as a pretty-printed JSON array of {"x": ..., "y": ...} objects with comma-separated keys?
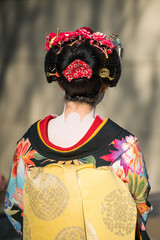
[{"x": 77, "y": 69}]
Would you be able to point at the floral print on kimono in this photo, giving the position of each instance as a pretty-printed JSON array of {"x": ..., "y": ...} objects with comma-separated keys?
[{"x": 128, "y": 163}]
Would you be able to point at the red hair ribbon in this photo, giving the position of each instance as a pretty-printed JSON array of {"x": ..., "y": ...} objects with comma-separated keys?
[{"x": 77, "y": 69}]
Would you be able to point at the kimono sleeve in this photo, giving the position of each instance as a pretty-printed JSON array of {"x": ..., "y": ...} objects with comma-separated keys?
[
  {"x": 130, "y": 167},
  {"x": 14, "y": 193}
]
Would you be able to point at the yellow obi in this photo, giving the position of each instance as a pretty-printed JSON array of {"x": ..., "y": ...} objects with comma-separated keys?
[{"x": 79, "y": 202}]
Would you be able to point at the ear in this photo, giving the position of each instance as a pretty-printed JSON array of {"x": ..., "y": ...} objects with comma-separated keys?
[
  {"x": 60, "y": 86},
  {"x": 103, "y": 88}
]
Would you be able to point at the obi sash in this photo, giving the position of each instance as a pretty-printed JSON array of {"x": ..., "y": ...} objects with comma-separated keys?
[{"x": 78, "y": 202}]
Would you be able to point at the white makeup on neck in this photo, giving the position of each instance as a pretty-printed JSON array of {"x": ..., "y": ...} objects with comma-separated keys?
[{"x": 67, "y": 132}]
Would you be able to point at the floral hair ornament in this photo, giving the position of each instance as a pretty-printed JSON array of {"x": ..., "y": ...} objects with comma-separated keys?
[
  {"x": 77, "y": 69},
  {"x": 79, "y": 36}
]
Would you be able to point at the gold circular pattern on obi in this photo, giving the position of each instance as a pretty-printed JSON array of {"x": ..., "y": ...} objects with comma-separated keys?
[
  {"x": 119, "y": 212},
  {"x": 36, "y": 171},
  {"x": 71, "y": 233},
  {"x": 26, "y": 229},
  {"x": 48, "y": 196}
]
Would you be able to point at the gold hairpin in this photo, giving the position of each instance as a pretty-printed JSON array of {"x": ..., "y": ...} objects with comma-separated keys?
[
  {"x": 57, "y": 31},
  {"x": 73, "y": 43},
  {"x": 104, "y": 73},
  {"x": 105, "y": 52},
  {"x": 48, "y": 74},
  {"x": 52, "y": 41}
]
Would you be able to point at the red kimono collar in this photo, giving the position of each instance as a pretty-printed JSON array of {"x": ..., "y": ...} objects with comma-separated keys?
[{"x": 42, "y": 127}]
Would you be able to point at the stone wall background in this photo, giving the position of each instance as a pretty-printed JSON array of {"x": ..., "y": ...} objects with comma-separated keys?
[{"x": 25, "y": 95}]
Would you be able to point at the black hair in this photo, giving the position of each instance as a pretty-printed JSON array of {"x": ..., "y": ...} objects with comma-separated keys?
[{"x": 82, "y": 89}]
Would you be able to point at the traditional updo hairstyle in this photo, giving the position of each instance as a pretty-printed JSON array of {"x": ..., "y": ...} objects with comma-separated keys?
[{"x": 106, "y": 66}]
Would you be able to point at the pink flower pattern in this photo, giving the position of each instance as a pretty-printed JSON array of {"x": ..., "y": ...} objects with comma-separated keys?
[{"x": 129, "y": 151}]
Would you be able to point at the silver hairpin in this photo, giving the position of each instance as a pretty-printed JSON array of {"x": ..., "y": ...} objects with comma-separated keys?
[{"x": 118, "y": 45}]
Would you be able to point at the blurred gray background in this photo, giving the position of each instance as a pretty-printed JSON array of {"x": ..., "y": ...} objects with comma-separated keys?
[{"x": 134, "y": 104}]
